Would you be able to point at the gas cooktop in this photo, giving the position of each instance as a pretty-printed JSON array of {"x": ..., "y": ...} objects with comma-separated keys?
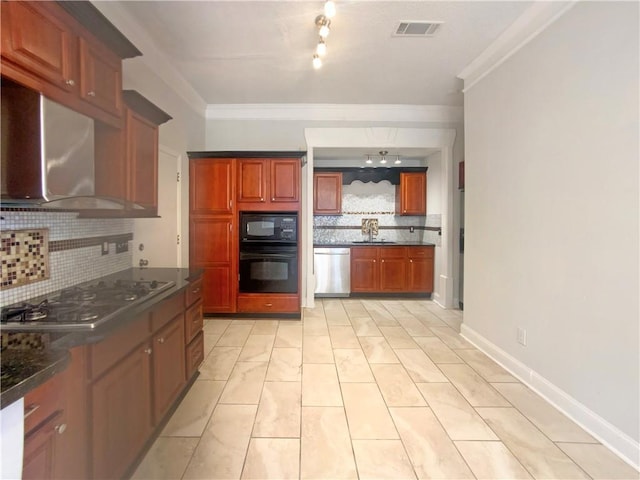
[{"x": 83, "y": 307}]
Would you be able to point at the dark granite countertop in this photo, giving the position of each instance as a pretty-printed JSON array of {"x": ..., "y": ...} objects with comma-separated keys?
[
  {"x": 372, "y": 244},
  {"x": 30, "y": 365}
]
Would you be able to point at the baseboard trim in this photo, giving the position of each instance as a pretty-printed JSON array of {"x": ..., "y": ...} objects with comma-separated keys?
[{"x": 609, "y": 435}]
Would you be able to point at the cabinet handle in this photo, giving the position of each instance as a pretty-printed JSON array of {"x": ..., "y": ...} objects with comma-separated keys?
[
  {"x": 374, "y": 261},
  {"x": 30, "y": 409},
  {"x": 161, "y": 340},
  {"x": 70, "y": 82},
  {"x": 268, "y": 304},
  {"x": 273, "y": 199},
  {"x": 91, "y": 93},
  {"x": 197, "y": 290},
  {"x": 60, "y": 429},
  {"x": 261, "y": 199},
  {"x": 230, "y": 204},
  {"x": 148, "y": 351},
  {"x": 382, "y": 261}
]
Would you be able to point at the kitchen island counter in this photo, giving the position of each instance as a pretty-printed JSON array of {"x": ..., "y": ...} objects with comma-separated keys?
[{"x": 28, "y": 363}]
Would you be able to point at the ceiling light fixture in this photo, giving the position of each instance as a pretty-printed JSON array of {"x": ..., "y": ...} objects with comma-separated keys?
[
  {"x": 382, "y": 158},
  {"x": 323, "y": 24},
  {"x": 329, "y": 8}
]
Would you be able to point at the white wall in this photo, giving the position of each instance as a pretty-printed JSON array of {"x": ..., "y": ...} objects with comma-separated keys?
[{"x": 552, "y": 216}]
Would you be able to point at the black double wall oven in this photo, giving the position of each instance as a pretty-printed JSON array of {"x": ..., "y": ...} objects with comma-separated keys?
[{"x": 268, "y": 252}]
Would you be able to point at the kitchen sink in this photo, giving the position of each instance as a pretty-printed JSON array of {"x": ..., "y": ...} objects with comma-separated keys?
[{"x": 372, "y": 242}]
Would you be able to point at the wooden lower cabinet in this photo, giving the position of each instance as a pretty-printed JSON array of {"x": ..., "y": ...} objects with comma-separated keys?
[
  {"x": 392, "y": 269},
  {"x": 168, "y": 359},
  {"x": 121, "y": 414},
  {"x": 364, "y": 270},
  {"x": 40, "y": 447}
]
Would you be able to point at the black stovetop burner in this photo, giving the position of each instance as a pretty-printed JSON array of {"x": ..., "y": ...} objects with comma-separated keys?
[{"x": 81, "y": 307}]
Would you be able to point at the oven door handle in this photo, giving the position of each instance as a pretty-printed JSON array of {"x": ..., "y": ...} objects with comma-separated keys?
[{"x": 260, "y": 256}]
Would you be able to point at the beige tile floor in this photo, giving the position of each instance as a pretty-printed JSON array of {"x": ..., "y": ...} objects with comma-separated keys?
[{"x": 368, "y": 389}]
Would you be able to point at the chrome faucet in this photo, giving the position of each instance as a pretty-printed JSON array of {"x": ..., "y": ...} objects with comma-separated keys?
[{"x": 370, "y": 226}]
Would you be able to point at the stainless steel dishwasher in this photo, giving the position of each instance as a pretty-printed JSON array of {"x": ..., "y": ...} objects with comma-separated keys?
[{"x": 332, "y": 267}]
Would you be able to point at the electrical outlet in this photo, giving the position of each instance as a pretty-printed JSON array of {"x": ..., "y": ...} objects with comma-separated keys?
[
  {"x": 412, "y": 229},
  {"x": 105, "y": 248},
  {"x": 522, "y": 336},
  {"x": 122, "y": 247}
]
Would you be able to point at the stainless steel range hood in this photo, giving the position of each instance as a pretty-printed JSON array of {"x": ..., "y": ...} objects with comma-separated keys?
[{"x": 47, "y": 153}]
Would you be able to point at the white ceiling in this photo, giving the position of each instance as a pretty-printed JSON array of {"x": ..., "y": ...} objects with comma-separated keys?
[{"x": 259, "y": 52}]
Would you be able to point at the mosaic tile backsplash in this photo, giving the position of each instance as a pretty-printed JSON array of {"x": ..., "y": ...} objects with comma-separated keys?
[
  {"x": 373, "y": 200},
  {"x": 25, "y": 257},
  {"x": 67, "y": 266}
]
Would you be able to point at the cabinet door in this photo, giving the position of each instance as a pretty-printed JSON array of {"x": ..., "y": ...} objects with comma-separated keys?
[
  {"x": 40, "y": 449},
  {"x": 364, "y": 270},
  {"x": 393, "y": 272},
  {"x": 252, "y": 180},
  {"x": 168, "y": 365},
  {"x": 212, "y": 186},
  {"x": 219, "y": 288},
  {"x": 51, "y": 54},
  {"x": 122, "y": 415},
  {"x": 420, "y": 269},
  {"x": 327, "y": 193},
  {"x": 100, "y": 77},
  {"x": 142, "y": 156},
  {"x": 413, "y": 193},
  {"x": 211, "y": 240},
  {"x": 284, "y": 181}
]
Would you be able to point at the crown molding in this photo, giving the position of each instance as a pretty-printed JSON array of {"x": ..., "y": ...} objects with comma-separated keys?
[
  {"x": 529, "y": 25},
  {"x": 336, "y": 112},
  {"x": 151, "y": 56}
]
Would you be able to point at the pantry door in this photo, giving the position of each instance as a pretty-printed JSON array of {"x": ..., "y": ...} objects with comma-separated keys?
[{"x": 156, "y": 239}]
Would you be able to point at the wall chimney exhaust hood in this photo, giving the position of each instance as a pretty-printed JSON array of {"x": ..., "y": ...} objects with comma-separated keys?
[{"x": 47, "y": 154}]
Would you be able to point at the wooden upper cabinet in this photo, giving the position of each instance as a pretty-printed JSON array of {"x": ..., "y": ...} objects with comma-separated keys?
[
  {"x": 38, "y": 38},
  {"x": 126, "y": 159},
  {"x": 411, "y": 194},
  {"x": 252, "y": 180},
  {"x": 142, "y": 156},
  {"x": 268, "y": 183},
  {"x": 100, "y": 77},
  {"x": 327, "y": 193},
  {"x": 211, "y": 186},
  {"x": 285, "y": 180},
  {"x": 69, "y": 52}
]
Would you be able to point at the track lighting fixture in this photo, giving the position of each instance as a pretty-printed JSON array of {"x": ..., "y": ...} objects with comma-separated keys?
[{"x": 323, "y": 23}]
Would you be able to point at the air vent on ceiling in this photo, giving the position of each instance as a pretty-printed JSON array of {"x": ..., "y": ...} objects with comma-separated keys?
[{"x": 417, "y": 29}]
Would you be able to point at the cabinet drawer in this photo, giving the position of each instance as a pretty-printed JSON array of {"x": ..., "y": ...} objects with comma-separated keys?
[
  {"x": 420, "y": 252},
  {"x": 42, "y": 402},
  {"x": 393, "y": 252},
  {"x": 268, "y": 303},
  {"x": 166, "y": 311},
  {"x": 193, "y": 322},
  {"x": 194, "y": 354},
  {"x": 194, "y": 292},
  {"x": 107, "y": 353},
  {"x": 364, "y": 252}
]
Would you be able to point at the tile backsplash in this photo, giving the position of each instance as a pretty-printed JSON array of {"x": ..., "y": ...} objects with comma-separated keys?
[
  {"x": 24, "y": 256},
  {"x": 73, "y": 249},
  {"x": 374, "y": 200}
]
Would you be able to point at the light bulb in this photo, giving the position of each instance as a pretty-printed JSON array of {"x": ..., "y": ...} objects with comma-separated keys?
[
  {"x": 384, "y": 160},
  {"x": 397, "y": 162},
  {"x": 324, "y": 30},
  {"x": 317, "y": 63},
  {"x": 321, "y": 49},
  {"x": 368, "y": 161},
  {"x": 329, "y": 8}
]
